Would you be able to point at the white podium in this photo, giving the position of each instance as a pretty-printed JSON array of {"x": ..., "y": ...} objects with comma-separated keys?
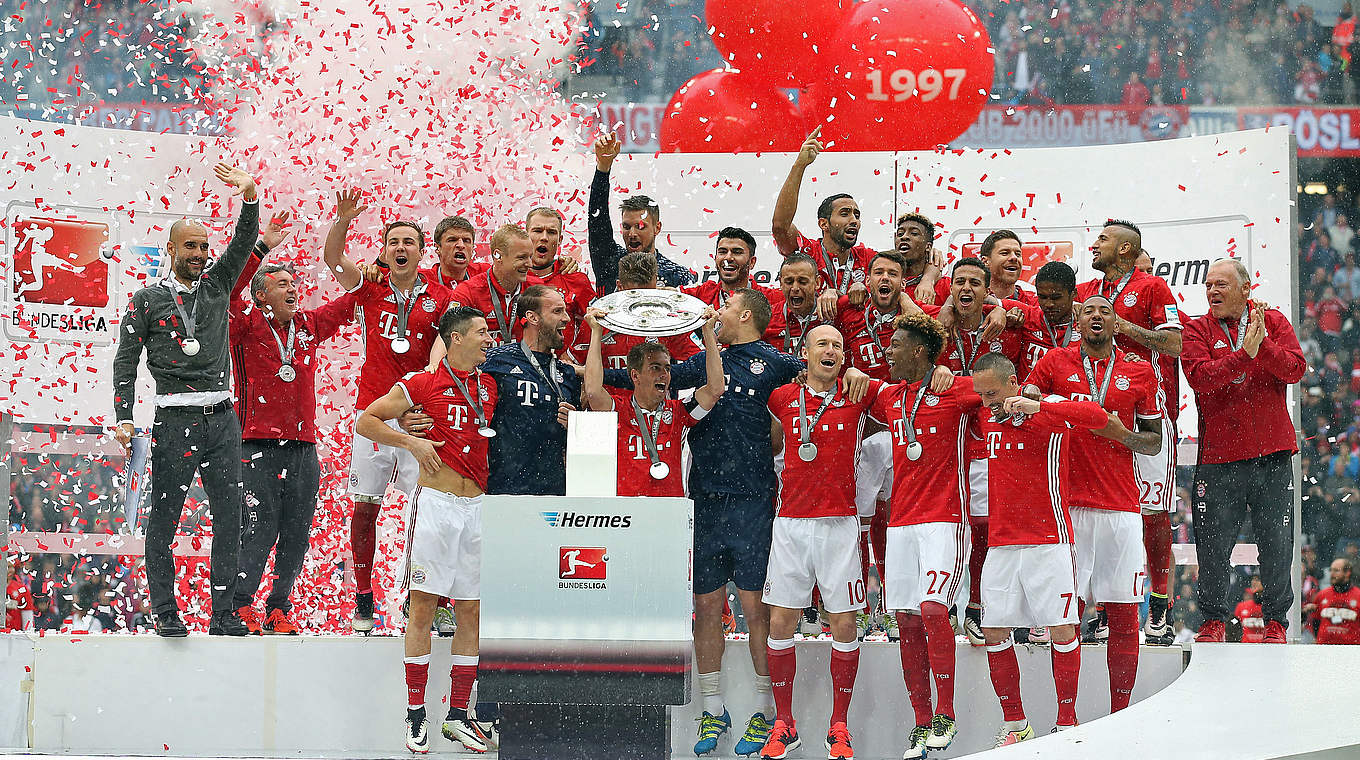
[{"x": 586, "y": 616}]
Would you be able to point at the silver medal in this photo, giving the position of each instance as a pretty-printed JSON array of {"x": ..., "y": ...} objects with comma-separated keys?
[
  {"x": 287, "y": 373},
  {"x": 189, "y": 346},
  {"x": 659, "y": 470},
  {"x": 807, "y": 452},
  {"x": 914, "y": 450},
  {"x": 486, "y": 432},
  {"x": 400, "y": 345}
]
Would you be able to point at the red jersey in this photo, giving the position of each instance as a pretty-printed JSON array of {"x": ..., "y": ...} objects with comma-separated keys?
[
  {"x": 1248, "y": 613},
  {"x": 790, "y": 339},
  {"x": 867, "y": 332},
  {"x": 21, "y": 596},
  {"x": 1235, "y": 393},
  {"x": 1038, "y": 336},
  {"x": 376, "y": 306},
  {"x": 1146, "y": 301},
  {"x": 1338, "y": 616},
  {"x": 712, "y": 293},
  {"x": 634, "y": 472},
  {"x": 485, "y": 294},
  {"x": 961, "y": 351},
  {"x": 824, "y": 487},
  {"x": 1102, "y": 469},
  {"x": 435, "y": 275},
  {"x": 455, "y": 420},
  {"x": 267, "y": 406},
  {"x": 1023, "y": 292},
  {"x": 1027, "y": 473},
  {"x": 830, "y": 273},
  {"x": 934, "y": 487},
  {"x": 1331, "y": 313},
  {"x": 614, "y": 347}
]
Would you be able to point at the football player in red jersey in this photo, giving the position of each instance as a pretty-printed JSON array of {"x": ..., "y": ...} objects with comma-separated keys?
[
  {"x": 733, "y": 256},
  {"x": 454, "y": 242},
  {"x": 798, "y": 283},
  {"x": 399, "y": 317},
  {"x": 1052, "y": 324},
  {"x": 815, "y": 539},
  {"x": 914, "y": 239},
  {"x": 444, "y": 534},
  {"x": 651, "y": 427},
  {"x": 544, "y": 226},
  {"x": 1335, "y": 612},
  {"x": 1003, "y": 254},
  {"x": 1149, "y": 325},
  {"x": 869, "y": 327},
  {"x": 1102, "y": 491},
  {"x": 841, "y": 258},
  {"x": 637, "y": 270},
  {"x": 1029, "y": 579},
  {"x": 927, "y": 531},
  {"x": 496, "y": 293}
]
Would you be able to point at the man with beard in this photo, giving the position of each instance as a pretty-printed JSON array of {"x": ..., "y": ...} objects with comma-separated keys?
[
  {"x": 454, "y": 242},
  {"x": 841, "y": 259},
  {"x": 1148, "y": 325},
  {"x": 868, "y": 328},
  {"x": 181, "y": 324},
  {"x": 639, "y": 226},
  {"x": 1003, "y": 254},
  {"x": 1335, "y": 611},
  {"x": 1101, "y": 490},
  {"x": 798, "y": 284},
  {"x": 1050, "y": 325},
  {"x": 733, "y": 257},
  {"x": 914, "y": 240},
  {"x": 559, "y": 272},
  {"x": 496, "y": 293},
  {"x": 400, "y": 315},
  {"x": 637, "y": 270}
]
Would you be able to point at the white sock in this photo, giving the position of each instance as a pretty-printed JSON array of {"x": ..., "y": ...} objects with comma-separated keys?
[
  {"x": 764, "y": 696},
  {"x": 710, "y": 688},
  {"x": 1015, "y": 725}
]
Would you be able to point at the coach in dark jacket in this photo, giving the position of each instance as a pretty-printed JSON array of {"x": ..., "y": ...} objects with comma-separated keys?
[{"x": 181, "y": 323}]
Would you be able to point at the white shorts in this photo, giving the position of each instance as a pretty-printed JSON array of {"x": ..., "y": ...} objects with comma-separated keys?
[
  {"x": 1029, "y": 586},
  {"x": 925, "y": 563},
  {"x": 977, "y": 488},
  {"x": 873, "y": 473},
  {"x": 815, "y": 551},
  {"x": 1110, "y": 558},
  {"x": 1156, "y": 473},
  {"x": 373, "y": 466},
  {"x": 444, "y": 545}
]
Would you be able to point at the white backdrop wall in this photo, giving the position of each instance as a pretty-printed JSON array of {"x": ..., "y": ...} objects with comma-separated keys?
[{"x": 1197, "y": 199}]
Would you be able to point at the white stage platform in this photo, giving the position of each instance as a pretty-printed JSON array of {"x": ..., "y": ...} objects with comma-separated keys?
[{"x": 344, "y": 696}]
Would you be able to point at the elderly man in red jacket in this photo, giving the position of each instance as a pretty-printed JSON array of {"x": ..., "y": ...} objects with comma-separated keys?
[{"x": 1241, "y": 358}]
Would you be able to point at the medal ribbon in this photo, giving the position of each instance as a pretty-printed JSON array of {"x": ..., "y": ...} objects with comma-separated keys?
[
  {"x": 475, "y": 404},
  {"x": 805, "y": 434},
  {"x": 649, "y": 435},
  {"x": 909, "y": 422}
]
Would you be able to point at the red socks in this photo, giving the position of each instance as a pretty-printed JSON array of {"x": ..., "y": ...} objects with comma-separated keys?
[
  {"x": 462, "y": 674},
  {"x": 976, "y": 557},
  {"x": 1066, "y": 673},
  {"x": 940, "y": 649},
  {"x": 915, "y": 665},
  {"x": 1006, "y": 679},
  {"x": 1157, "y": 543},
  {"x": 1122, "y": 652},
  {"x": 363, "y": 528},
  {"x": 844, "y": 668},
  {"x": 417, "y": 675},
  {"x": 783, "y": 666}
]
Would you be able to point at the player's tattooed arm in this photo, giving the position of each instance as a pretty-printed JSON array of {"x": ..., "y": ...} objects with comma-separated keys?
[
  {"x": 1162, "y": 341},
  {"x": 1146, "y": 440}
]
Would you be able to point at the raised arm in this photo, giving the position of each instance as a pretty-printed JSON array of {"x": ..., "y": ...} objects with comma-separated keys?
[
  {"x": 708, "y": 395},
  {"x": 271, "y": 237},
  {"x": 604, "y": 252},
  {"x": 347, "y": 208},
  {"x": 786, "y": 205},
  {"x": 592, "y": 386},
  {"x": 233, "y": 259}
]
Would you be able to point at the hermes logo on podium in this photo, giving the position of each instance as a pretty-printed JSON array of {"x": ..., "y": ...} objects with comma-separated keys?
[{"x": 581, "y": 563}]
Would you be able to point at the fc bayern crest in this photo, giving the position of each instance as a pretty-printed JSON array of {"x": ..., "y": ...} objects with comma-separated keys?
[
  {"x": 1199, "y": 489},
  {"x": 931, "y": 399},
  {"x": 1131, "y": 300},
  {"x": 482, "y": 394},
  {"x": 667, "y": 416},
  {"x": 428, "y": 305},
  {"x": 1122, "y": 383},
  {"x": 995, "y": 346},
  {"x": 757, "y": 367}
]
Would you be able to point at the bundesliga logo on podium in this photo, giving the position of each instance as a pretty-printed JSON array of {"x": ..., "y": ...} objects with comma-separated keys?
[
  {"x": 582, "y": 566},
  {"x": 60, "y": 279}
]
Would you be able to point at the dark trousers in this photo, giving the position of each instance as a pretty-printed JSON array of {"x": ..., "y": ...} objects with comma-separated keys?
[
  {"x": 1224, "y": 493},
  {"x": 185, "y": 440},
  {"x": 281, "y": 482}
]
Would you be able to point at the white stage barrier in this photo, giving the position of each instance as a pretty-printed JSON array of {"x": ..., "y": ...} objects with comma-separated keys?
[{"x": 308, "y": 696}]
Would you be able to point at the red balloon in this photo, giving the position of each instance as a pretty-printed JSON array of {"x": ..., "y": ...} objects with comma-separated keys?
[
  {"x": 908, "y": 75},
  {"x": 725, "y": 112},
  {"x": 781, "y": 41}
]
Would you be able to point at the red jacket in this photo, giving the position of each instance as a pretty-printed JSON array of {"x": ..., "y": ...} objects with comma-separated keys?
[{"x": 1235, "y": 393}]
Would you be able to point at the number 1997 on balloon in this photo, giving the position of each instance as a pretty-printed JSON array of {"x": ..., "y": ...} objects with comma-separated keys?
[{"x": 904, "y": 83}]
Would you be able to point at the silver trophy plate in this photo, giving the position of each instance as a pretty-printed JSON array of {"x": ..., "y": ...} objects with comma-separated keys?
[{"x": 651, "y": 313}]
